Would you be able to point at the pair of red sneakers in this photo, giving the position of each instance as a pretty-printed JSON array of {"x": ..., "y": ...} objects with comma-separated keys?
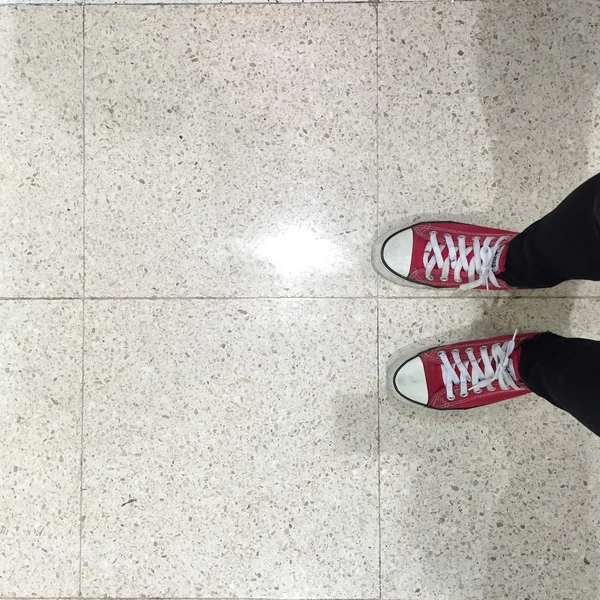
[{"x": 460, "y": 256}]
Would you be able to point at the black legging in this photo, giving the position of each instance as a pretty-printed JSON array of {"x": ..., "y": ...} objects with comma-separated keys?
[{"x": 565, "y": 244}]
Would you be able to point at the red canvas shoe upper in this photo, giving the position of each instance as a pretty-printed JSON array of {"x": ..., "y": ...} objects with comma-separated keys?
[
  {"x": 457, "y": 255},
  {"x": 464, "y": 375}
]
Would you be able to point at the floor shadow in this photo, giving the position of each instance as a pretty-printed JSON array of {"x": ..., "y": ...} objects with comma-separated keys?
[
  {"x": 499, "y": 502},
  {"x": 537, "y": 70},
  {"x": 503, "y": 502}
]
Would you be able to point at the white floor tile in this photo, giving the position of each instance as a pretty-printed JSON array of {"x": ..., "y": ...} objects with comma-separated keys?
[
  {"x": 487, "y": 113},
  {"x": 40, "y": 407},
  {"x": 497, "y": 502},
  {"x": 41, "y": 156},
  {"x": 149, "y": 2},
  {"x": 243, "y": 434},
  {"x": 231, "y": 151},
  {"x": 231, "y": 446},
  {"x": 38, "y": 2}
]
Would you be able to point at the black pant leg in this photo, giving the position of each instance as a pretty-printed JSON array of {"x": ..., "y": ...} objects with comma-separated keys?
[
  {"x": 565, "y": 244},
  {"x": 564, "y": 372}
]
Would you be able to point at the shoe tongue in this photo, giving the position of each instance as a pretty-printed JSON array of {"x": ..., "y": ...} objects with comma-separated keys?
[
  {"x": 497, "y": 262},
  {"x": 512, "y": 365}
]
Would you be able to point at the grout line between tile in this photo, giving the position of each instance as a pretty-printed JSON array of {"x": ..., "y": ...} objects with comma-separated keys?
[
  {"x": 197, "y": 3},
  {"x": 83, "y": 183},
  {"x": 376, "y": 5},
  {"x": 83, "y": 305},
  {"x": 231, "y": 298},
  {"x": 35, "y": 299},
  {"x": 81, "y": 441},
  {"x": 230, "y": 3},
  {"x": 236, "y": 3},
  {"x": 488, "y": 298},
  {"x": 378, "y": 452}
]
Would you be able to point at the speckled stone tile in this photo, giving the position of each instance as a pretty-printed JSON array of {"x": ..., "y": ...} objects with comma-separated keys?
[
  {"x": 58, "y": 2},
  {"x": 231, "y": 150},
  {"x": 41, "y": 240},
  {"x": 497, "y": 502},
  {"x": 40, "y": 406},
  {"x": 231, "y": 449},
  {"x": 88, "y": 2},
  {"x": 37, "y": 2},
  {"x": 488, "y": 113}
]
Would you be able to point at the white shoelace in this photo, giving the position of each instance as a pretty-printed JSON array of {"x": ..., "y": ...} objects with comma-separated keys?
[
  {"x": 476, "y": 260},
  {"x": 457, "y": 373}
]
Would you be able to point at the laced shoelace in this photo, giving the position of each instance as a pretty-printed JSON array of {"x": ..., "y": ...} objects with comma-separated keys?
[
  {"x": 461, "y": 372},
  {"x": 476, "y": 261}
]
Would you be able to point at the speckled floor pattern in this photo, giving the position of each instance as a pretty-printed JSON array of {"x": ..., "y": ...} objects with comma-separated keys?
[{"x": 193, "y": 342}]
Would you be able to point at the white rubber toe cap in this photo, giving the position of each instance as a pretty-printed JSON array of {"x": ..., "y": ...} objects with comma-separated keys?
[
  {"x": 410, "y": 381},
  {"x": 397, "y": 252}
]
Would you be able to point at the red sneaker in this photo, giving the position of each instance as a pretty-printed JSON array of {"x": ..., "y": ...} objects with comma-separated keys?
[
  {"x": 443, "y": 254},
  {"x": 464, "y": 375}
]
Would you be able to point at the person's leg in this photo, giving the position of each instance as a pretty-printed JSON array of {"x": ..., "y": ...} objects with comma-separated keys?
[
  {"x": 563, "y": 371},
  {"x": 565, "y": 244},
  {"x": 474, "y": 373}
]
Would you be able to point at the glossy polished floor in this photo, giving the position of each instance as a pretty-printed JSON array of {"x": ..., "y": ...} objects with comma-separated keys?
[{"x": 193, "y": 342}]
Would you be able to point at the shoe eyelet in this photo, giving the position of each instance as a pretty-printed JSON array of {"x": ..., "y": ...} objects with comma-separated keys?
[
  {"x": 440, "y": 352},
  {"x": 429, "y": 277},
  {"x": 443, "y": 279},
  {"x": 464, "y": 395},
  {"x": 433, "y": 233},
  {"x": 469, "y": 350},
  {"x": 462, "y": 237},
  {"x": 459, "y": 280},
  {"x": 451, "y": 398},
  {"x": 478, "y": 392},
  {"x": 484, "y": 347}
]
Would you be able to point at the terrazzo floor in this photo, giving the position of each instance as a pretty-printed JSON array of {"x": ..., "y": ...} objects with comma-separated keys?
[{"x": 193, "y": 342}]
